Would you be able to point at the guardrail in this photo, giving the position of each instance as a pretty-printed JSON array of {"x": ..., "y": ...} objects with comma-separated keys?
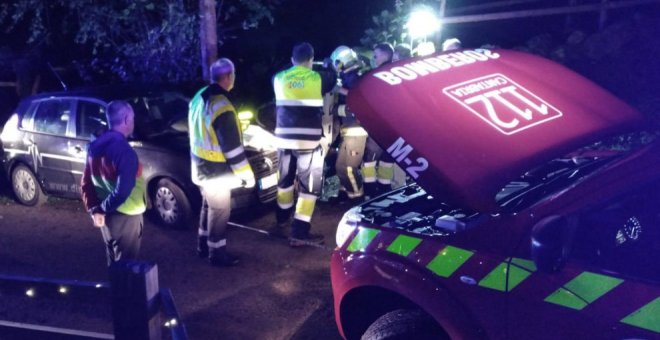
[{"x": 140, "y": 309}]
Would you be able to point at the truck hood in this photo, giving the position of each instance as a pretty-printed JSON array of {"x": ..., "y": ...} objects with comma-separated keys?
[{"x": 463, "y": 124}]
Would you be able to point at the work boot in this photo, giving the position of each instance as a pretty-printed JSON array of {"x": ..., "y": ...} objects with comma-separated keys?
[
  {"x": 223, "y": 259},
  {"x": 313, "y": 240},
  {"x": 202, "y": 247},
  {"x": 283, "y": 216},
  {"x": 278, "y": 230}
]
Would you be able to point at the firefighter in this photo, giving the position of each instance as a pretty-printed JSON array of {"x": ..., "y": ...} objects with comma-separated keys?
[
  {"x": 377, "y": 166},
  {"x": 451, "y": 44},
  {"x": 219, "y": 163},
  {"x": 299, "y": 94},
  {"x": 401, "y": 51},
  {"x": 353, "y": 137}
]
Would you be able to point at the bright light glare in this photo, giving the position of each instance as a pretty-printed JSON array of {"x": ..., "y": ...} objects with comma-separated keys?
[
  {"x": 426, "y": 48},
  {"x": 11, "y": 133},
  {"x": 421, "y": 23},
  {"x": 245, "y": 115}
]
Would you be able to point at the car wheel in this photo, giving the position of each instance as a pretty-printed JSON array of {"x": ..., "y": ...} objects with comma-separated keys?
[
  {"x": 26, "y": 186},
  {"x": 404, "y": 324},
  {"x": 171, "y": 207}
]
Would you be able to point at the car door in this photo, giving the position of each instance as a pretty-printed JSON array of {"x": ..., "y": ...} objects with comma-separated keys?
[
  {"x": 90, "y": 121},
  {"x": 50, "y": 136},
  {"x": 610, "y": 285}
]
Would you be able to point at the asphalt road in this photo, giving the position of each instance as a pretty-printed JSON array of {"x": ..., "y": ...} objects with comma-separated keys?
[{"x": 276, "y": 292}]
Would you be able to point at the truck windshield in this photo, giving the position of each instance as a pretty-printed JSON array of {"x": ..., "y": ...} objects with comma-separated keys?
[{"x": 562, "y": 172}]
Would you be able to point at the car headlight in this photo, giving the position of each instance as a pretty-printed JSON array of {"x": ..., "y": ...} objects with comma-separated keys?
[
  {"x": 245, "y": 118},
  {"x": 347, "y": 224},
  {"x": 258, "y": 138}
]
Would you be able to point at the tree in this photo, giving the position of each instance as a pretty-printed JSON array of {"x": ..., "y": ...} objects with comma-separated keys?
[
  {"x": 389, "y": 26},
  {"x": 132, "y": 40}
]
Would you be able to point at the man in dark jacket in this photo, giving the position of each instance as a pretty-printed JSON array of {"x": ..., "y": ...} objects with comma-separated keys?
[
  {"x": 113, "y": 189},
  {"x": 219, "y": 163}
]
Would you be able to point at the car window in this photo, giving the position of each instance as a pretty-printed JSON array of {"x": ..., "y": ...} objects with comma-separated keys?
[
  {"x": 52, "y": 116},
  {"x": 623, "y": 235},
  {"x": 154, "y": 115},
  {"x": 90, "y": 119}
]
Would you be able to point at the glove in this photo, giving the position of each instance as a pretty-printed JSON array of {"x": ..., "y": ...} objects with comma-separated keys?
[{"x": 248, "y": 183}]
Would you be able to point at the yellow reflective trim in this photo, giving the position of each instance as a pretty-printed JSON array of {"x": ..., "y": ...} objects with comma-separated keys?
[
  {"x": 203, "y": 140},
  {"x": 243, "y": 171},
  {"x": 284, "y": 197},
  {"x": 386, "y": 173},
  {"x": 369, "y": 171},
  {"x": 135, "y": 203},
  {"x": 299, "y": 83},
  {"x": 209, "y": 155},
  {"x": 305, "y": 205},
  {"x": 351, "y": 178}
]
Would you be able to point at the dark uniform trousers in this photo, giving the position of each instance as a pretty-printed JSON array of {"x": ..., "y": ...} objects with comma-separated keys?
[
  {"x": 122, "y": 234},
  {"x": 305, "y": 166},
  {"x": 216, "y": 209}
]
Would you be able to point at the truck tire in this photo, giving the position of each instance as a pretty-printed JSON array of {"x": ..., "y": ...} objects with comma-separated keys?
[{"x": 404, "y": 324}]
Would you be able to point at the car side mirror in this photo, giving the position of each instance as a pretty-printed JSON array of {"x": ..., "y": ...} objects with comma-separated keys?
[
  {"x": 180, "y": 125},
  {"x": 550, "y": 243},
  {"x": 266, "y": 116}
]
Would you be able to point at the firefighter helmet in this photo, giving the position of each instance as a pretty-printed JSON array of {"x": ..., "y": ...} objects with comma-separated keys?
[{"x": 343, "y": 57}]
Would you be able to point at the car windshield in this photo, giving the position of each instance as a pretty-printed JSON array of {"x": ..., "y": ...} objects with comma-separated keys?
[
  {"x": 559, "y": 173},
  {"x": 155, "y": 115}
]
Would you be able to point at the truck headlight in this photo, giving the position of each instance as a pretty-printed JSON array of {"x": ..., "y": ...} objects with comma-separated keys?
[{"x": 347, "y": 224}]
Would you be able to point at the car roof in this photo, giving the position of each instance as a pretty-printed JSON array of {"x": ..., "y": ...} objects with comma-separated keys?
[
  {"x": 465, "y": 123},
  {"x": 111, "y": 92}
]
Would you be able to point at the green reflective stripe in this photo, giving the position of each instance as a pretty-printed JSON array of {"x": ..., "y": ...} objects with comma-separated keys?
[
  {"x": 647, "y": 317},
  {"x": 449, "y": 260},
  {"x": 521, "y": 269},
  {"x": 583, "y": 290},
  {"x": 362, "y": 239},
  {"x": 403, "y": 245}
]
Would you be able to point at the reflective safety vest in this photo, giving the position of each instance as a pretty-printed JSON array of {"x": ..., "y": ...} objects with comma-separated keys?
[
  {"x": 208, "y": 107},
  {"x": 203, "y": 140},
  {"x": 299, "y": 100}
]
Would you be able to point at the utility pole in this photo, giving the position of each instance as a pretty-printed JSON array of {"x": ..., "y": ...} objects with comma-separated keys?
[
  {"x": 208, "y": 36},
  {"x": 603, "y": 15},
  {"x": 441, "y": 15}
]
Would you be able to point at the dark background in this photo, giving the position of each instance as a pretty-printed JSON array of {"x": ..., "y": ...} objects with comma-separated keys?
[{"x": 259, "y": 53}]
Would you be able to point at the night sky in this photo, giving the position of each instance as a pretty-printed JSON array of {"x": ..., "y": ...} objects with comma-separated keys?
[
  {"x": 328, "y": 24},
  {"x": 261, "y": 52}
]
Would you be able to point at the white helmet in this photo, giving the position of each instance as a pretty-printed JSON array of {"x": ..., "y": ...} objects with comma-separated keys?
[{"x": 343, "y": 57}]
